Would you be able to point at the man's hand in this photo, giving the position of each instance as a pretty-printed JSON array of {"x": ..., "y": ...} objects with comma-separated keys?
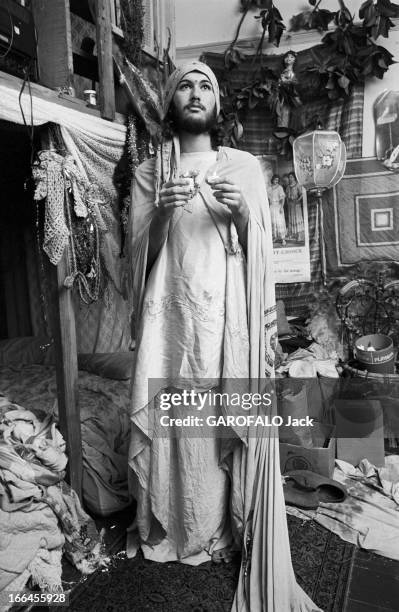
[
  {"x": 173, "y": 194},
  {"x": 228, "y": 193}
]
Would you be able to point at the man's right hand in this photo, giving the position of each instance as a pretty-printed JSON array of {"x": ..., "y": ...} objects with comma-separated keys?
[{"x": 173, "y": 194}]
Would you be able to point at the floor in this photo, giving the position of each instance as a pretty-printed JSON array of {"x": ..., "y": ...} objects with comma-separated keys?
[{"x": 374, "y": 584}]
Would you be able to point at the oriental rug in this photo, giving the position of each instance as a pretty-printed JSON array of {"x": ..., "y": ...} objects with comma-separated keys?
[{"x": 322, "y": 564}]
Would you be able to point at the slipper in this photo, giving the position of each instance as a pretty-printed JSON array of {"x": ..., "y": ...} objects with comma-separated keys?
[
  {"x": 327, "y": 490},
  {"x": 296, "y": 495}
]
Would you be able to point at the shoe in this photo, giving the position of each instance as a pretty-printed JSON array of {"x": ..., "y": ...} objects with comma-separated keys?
[{"x": 328, "y": 491}]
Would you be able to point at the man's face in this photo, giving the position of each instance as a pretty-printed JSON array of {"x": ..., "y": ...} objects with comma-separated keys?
[{"x": 194, "y": 104}]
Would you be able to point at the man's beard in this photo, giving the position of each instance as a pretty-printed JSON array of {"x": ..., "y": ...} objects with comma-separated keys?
[{"x": 192, "y": 123}]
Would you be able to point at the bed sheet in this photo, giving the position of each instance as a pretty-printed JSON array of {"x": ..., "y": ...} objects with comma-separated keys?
[{"x": 105, "y": 427}]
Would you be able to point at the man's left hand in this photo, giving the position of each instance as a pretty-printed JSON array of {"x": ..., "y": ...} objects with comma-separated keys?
[{"x": 228, "y": 193}]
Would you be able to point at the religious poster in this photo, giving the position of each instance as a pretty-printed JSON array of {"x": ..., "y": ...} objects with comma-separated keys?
[{"x": 289, "y": 217}]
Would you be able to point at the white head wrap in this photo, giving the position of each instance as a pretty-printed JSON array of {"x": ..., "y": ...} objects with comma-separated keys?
[{"x": 178, "y": 74}]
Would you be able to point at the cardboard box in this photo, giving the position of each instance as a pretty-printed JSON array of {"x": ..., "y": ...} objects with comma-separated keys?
[
  {"x": 360, "y": 431},
  {"x": 320, "y": 458}
]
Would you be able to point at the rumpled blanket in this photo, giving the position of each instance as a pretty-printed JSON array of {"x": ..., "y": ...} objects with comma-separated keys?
[
  {"x": 369, "y": 517},
  {"x": 40, "y": 515}
]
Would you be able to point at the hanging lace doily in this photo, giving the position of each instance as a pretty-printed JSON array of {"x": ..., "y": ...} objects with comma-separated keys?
[{"x": 60, "y": 183}]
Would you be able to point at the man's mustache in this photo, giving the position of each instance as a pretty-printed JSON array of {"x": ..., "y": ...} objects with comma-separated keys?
[{"x": 196, "y": 105}]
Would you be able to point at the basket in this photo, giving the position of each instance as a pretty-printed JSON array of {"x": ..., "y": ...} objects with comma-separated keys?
[
  {"x": 381, "y": 387},
  {"x": 352, "y": 368}
]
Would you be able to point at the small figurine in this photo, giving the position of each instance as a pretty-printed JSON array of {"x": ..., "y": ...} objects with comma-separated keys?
[{"x": 287, "y": 95}]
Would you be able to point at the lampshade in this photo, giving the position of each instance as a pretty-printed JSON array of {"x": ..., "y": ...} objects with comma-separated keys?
[{"x": 319, "y": 159}]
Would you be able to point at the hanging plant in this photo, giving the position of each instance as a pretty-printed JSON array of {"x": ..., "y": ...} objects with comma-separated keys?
[
  {"x": 349, "y": 53},
  {"x": 316, "y": 19},
  {"x": 272, "y": 21},
  {"x": 377, "y": 15},
  {"x": 352, "y": 55},
  {"x": 257, "y": 91}
]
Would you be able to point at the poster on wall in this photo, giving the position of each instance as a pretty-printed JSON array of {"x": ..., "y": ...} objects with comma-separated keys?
[{"x": 289, "y": 217}]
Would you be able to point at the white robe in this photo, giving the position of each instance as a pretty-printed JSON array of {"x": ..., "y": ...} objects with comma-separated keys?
[{"x": 257, "y": 503}]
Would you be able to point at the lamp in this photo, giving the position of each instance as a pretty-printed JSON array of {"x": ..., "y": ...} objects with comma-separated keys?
[
  {"x": 319, "y": 163},
  {"x": 319, "y": 159}
]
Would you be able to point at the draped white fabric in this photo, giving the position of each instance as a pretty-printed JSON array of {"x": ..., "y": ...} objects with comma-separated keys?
[{"x": 44, "y": 111}]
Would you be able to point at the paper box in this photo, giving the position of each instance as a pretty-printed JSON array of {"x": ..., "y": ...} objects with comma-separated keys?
[
  {"x": 320, "y": 458},
  {"x": 360, "y": 431}
]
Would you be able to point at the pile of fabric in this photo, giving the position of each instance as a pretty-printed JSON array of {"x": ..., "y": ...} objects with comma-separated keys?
[
  {"x": 369, "y": 516},
  {"x": 40, "y": 516}
]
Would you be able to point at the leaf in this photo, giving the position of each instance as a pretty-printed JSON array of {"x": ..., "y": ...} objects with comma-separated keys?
[
  {"x": 384, "y": 26},
  {"x": 349, "y": 47},
  {"x": 364, "y": 8},
  {"x": 330, "y": 83},
  {"x": 302, "y": 21},
  {"x": 277, "y": 14},
  {"x": 387, "y": 8},
  {"x": 324, "y": 18},
  {"x": 368, "y": 68},
  {"x": 238, "y": 130},
  {"x": 344, "y": 83},
  {"x": 252, "y": 102}
]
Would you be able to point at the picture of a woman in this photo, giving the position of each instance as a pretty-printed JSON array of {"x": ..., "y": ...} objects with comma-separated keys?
[
  {"x": 276, "y": 201},
  {"x": 296, "y": 228}
]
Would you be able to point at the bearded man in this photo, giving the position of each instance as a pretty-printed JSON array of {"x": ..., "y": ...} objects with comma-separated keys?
[{"x": 204, "y": 306}]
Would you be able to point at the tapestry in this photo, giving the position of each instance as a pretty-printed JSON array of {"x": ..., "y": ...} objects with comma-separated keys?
[
  {"x": 361, "y": 217},
  {"x": 344, "y": 116}
]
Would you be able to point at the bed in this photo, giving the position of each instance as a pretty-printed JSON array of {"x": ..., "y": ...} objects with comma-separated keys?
[{"x": 27, "y": 377}]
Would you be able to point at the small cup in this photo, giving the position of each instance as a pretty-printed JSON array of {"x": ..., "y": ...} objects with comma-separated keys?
[
  {"x": 212, "y": 178},
  {"x": 90, "y": 96}
]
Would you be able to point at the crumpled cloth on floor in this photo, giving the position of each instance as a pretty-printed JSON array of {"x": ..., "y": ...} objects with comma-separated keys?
[
  {"x": 40, "y": 515},
  {"x": 309, "y": 362},
  {"x": 369, "y": 517}
]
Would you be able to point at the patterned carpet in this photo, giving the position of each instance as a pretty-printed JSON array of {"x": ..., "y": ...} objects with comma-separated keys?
[{"x": 322, "y": 564}]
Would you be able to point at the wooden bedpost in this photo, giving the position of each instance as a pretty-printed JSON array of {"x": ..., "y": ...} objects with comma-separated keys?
[
  {"x": 105, "y": 62},
  {"x": 66, "y": 360},
  {"x": 67, "y": 372}
]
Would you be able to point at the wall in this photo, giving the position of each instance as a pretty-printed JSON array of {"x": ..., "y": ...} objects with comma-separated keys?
[
  {"x": 209, "y": 21},
  {"x": 211, "y": 24}
]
